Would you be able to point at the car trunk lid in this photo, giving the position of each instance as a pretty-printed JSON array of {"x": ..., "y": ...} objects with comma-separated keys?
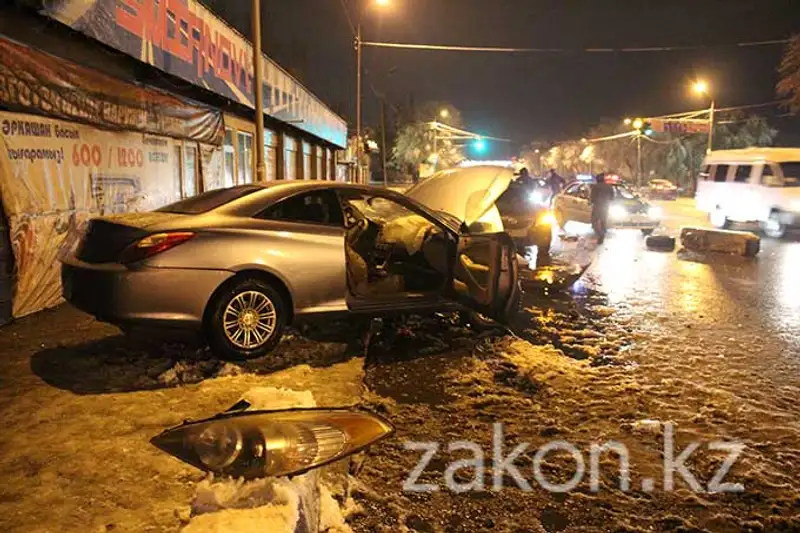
[{"x": 105, "y": 238}]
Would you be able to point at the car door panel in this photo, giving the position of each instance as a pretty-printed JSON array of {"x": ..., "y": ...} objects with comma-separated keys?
[{"x": 485, "y": 275}]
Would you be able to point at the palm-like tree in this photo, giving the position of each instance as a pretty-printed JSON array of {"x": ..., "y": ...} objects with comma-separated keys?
[{"x": 790, "y": 73}]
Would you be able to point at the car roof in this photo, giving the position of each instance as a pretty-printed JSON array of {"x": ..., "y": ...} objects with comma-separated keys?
[{"x": 754, "y": 155}]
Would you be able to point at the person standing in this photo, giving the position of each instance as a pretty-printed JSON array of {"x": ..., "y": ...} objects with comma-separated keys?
[
  {"x": 555, "y": 182},
  {"x": 601, "y": 198}
]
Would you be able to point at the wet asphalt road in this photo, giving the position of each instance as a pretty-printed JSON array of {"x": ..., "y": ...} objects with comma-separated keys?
[{"x": 709, "y": 343}]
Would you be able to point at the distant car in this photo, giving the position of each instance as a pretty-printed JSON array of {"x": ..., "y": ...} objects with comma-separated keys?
[
  {"x": 627, "y": 211},
  {"x": 241, "y": 264},
  {"x": 662, "y": 189}
]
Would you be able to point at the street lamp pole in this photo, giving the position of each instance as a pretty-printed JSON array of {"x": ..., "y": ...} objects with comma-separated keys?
[
  {"x": 711, "y": 126},
  {"x": 639, "y": 158},
  {"x": 258, "y": 89},
  {"x": 359, "y": 146}
]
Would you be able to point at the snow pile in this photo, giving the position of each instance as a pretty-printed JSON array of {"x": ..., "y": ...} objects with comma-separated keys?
[{"x": 274, "y": 505}]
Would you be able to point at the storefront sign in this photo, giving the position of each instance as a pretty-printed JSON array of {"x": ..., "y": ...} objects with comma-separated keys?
[{"x": 185, "y": 39}]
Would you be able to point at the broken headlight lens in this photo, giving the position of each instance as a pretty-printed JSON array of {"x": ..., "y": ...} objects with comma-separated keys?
[{"x": 272, "y": 443}]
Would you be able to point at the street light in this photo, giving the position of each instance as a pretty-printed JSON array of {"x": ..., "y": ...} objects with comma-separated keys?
[
  {"x": 258, "y": 75},
  {"x": 701, "y": 88},
  {"x": 628, "y": 122},
  {"x": 444, "y": 114},
  {"x": 638, "y": 123},
  {"x": 359, "y": 49}
]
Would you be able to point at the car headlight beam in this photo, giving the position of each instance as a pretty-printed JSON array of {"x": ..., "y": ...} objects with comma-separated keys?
[
  {"x": 655, "y": 212},
  {"x": 617, "y": 212},
  {"x": 255, "y": 444}
]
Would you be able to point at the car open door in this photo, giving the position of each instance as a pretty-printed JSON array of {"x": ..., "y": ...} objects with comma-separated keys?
[{"x": 485, "y": 274}]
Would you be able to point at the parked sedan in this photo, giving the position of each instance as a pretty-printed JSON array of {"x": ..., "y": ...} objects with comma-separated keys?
[
  {"x": 627, "y": 210},
  {"x": 662, "y": 189},
  {"x": 241, "y": 264}
]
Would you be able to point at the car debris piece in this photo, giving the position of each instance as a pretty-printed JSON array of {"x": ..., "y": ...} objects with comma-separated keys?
[
  {"x": 663, "y": 243},
  {"x": 723, "y": 241},
  {"x": 552, "y": 277}
]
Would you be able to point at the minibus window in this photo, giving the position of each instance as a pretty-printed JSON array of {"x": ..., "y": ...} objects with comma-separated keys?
[
  {"x": 743, "y": 173},
  {"x": 722, "y": 173},
  {"x": 791, "y": 174}
]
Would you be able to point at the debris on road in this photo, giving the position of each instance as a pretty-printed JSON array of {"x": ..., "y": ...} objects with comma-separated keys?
[
  {"x": 663, "y": 243},
  {"x": 724, "y": 241}
]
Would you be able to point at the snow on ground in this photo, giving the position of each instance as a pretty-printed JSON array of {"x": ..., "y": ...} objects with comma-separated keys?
[{"x": 80, "y": 403}]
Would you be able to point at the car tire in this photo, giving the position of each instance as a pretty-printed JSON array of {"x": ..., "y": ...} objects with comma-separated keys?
[
  {"x": 773, "y": 227},
  {"x": 242, "y": 300}
]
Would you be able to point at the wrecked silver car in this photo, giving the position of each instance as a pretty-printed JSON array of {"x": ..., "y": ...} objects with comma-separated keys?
[{"x": 241, "y": 264}]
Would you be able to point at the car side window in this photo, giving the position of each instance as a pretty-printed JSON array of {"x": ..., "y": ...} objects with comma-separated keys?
[
  {"x": 769, "y": 178},
  {"x": 584, "y": 192},
  {"x": 572, "y": 190},
  {"x": 721, "y": 173},
  {"x": 315, "y": 207},
  {"x": 743, "y": 173}
]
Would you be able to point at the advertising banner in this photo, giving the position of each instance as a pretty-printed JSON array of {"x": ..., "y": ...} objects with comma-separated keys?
[
  {"x": 31, "y": 80},
  {"x": 54, "y": 175},
  {"x": 186, "y": 39}
]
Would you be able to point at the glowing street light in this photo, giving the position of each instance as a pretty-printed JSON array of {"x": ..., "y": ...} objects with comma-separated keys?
[
  {"x": 628, "y": 122},
  {"x": 638, "y": 123},
  {"x": 700, "y": 87},
  {"x": 444, "y": 114}
]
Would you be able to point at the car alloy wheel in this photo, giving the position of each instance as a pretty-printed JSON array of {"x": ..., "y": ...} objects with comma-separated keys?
[
  {"x": 245, "y": 319},
  {"x": 249, "y": 320}
]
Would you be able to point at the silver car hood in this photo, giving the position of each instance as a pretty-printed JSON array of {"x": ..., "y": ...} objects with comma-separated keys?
[{"x": 465, "y": 193}]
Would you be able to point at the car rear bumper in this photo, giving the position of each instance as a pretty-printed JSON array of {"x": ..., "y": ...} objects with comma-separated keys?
[
  {"x": 113, "y": 293},
  {"x": 634, "y": 223}
]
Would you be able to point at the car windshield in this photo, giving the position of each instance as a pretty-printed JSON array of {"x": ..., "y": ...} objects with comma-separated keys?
[
  {"x": 791, "y": 174},
  {"x": 207, "y": 201}
]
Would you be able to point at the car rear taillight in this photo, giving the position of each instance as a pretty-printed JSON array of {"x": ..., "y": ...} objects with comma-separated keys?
[{"x": 152, "y": 245}]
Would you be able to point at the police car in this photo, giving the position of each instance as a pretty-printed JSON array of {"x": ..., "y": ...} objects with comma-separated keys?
[{"x": 627, "y": 211}]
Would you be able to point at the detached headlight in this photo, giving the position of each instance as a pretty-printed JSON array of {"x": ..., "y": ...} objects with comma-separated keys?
[
  {"x": 655, "y": 212},
  {"x": 617, "y": 212},
  {"x": 272, "y": 443}
]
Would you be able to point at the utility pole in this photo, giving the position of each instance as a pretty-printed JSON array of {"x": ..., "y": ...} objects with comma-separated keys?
[
  {"x": 383, "y": 141},
  {"x": 258, "y": 82},
  {"x": 711, "y": 126},
  {"x": 359, "y": 146},
  {"x": 639, "y": 158}
]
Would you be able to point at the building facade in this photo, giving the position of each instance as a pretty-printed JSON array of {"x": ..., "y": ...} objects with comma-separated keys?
[{"x": 117, "y": 106}]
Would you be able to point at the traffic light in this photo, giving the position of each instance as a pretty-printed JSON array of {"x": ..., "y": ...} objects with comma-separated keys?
[
  {"x": 647, "y": 128},
  {"x": 479, "y": 146}
]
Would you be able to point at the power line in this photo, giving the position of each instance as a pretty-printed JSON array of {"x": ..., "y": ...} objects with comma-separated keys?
[
  {"x": 513, "y": 50},
  {"x": 349, "y": 18}
]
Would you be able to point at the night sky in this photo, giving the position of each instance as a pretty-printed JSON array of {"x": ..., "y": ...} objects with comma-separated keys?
[{"x": 529, "y": 97}]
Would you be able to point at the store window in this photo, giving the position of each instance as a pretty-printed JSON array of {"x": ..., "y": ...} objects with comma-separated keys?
[
  {"x": 245, "y": 158},
  {"x": 307, "y": 161},
  {"x": 271, "y": 155},
  {"x": 320, "y": 167},
  {"x": 177, "y": 171},
  {"x": 190, "y": 172},
  {"x": 290, "y": 159},
  {"x": 230, "y": 159}
]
